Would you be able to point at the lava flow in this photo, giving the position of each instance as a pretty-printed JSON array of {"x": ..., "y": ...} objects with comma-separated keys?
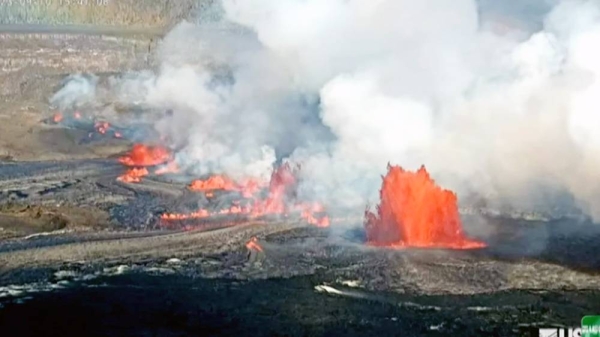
[
  {"x": 145, "y": 155},
  {"x": 76, "y": 120},
  {"x": 282, "y": 190},
  {"x": 415, "y": 212},
  {"x": 308, "y": 214},
  {"x": 60, "y": 118},
  {"x": 216, "y": 182},
  {"x": 104, "y": 128},
  {"x": 133, "y": 175},
  {"x": 253, "y": 244},
  {"x": 141, "y": 156},
  {"x": 220, "y": 182}
]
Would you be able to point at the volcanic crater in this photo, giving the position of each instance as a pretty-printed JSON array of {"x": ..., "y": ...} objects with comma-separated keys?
[{"x": 116, "y": 235}]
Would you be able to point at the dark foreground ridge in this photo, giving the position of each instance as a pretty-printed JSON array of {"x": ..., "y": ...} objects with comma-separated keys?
[{"x": 142, "y": 305}]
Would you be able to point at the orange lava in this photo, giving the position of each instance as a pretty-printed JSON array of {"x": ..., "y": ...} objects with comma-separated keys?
[
  {"x": 309, "y": 211},
  {"x": 250, "y": 187},
  {"x": 133, "y": 175},
  {"x": 282, "y": 193},
  {"x": 58, "y": 117},
  {"x": 253, "y": 244},
  {"x": 282, "y": 188},
  {"x": 247, "y": 188},
  {"x": 145, "y": 155},
  {"x": 415, "y": 212},
  {"x": 101, "y": 127},
  {"x": 216, "y": 182}
]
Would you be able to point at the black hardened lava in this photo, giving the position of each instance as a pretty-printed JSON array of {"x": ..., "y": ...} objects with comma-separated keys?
[
  {"x": 142, "y": 305},
  {"x": 83, "y": 183}
]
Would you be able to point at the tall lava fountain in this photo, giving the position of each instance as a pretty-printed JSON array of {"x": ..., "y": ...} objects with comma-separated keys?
[{"x": 414, "y": 212}]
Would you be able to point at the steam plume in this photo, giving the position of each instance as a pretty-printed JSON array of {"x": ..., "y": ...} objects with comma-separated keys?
[
  {"x": 76, "y": 90},
  {"x": 495, "y": 109}
]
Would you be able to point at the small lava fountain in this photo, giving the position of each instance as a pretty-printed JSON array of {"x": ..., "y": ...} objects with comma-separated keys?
[
  {"x": 145, "y": 155},
  {"x": 280, "y": 199},
  {"x": 142, "y": 156},
  {"x": 415, "y": 212}
]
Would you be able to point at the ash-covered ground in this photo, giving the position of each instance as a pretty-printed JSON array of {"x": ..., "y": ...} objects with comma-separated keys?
[{"x": 84, "y": 254}]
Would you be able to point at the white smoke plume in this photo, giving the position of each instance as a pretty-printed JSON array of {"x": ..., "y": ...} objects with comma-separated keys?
[
  {"x": 498, "y": 105},
  {"x": 77, "y": 90},
  {"x": 507, "y": 115}
]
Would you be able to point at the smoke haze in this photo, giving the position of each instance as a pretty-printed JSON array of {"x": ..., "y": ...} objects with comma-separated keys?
[{"x": 500, "y": 105}]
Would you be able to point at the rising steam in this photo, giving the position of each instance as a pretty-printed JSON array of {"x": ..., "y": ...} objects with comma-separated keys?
[{"x": 497, "y": 110}]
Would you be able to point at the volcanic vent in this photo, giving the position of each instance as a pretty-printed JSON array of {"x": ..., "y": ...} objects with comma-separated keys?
[
  {"x": 415, "y": 212},
  {"x": 281, "y": 198}
]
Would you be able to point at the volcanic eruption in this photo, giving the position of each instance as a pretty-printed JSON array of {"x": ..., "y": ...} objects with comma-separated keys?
[
  {"x": 133, "y": 175},
  {"x": 247, "y": 188},
  {"x": 142, "y": 156},
  {"x": 415, "y": 212},
  {"x": 280, "y": 199},
  {"x": 146, "y": 155}
]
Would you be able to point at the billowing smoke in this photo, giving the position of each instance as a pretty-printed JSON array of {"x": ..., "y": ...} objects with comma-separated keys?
[
  {"x": 76, "y": 90},
  {"x": 503, "y": 114},
  {"x": 499, "y": 106}
]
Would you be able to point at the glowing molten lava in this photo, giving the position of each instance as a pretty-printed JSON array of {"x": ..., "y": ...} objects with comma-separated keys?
[
  {"x": 102, "y": 127},
  {"x": 414, "y": 212},
  {"x": 133, "y": 175},
  {"x": 105, "y": 128},
  {"x": 220, "y": 182},
  {"x": 281, "y": 188},
  {"x": 145, "y": 155},
  {"x": 308, "y": 214},
  {"x": 253, "y": 244},
  {"x": 216, "y": 182},
  {"x": 282, "y": 191},
  {"x": 58, "y": 117}
]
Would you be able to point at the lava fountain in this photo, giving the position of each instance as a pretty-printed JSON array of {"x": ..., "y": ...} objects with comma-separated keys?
[
  {"x": 280, "y": 199},
  {"x": 415, "y": 212},
  {"x": 145, "y": 155}
]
